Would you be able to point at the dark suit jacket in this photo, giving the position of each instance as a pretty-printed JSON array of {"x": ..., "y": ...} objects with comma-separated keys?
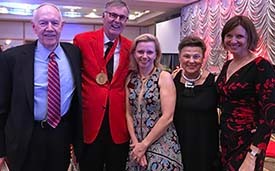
[{"x": 17, "y": 101}]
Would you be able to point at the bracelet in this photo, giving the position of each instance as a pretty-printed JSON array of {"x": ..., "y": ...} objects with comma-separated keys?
[{"x": 253, "y": 153}]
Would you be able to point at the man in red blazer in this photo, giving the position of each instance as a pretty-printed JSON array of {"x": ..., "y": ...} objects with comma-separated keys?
[{"x": 106, "y": 139}]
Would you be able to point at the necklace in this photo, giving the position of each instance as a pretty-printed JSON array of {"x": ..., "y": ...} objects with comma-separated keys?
[{"x": 190, "y": 82}]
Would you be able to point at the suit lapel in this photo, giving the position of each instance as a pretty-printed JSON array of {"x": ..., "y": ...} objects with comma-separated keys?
[
  {"x": 74, "y": 63},
  {"x": 99, "y": 44},
  {"x": 70, "y": 58},
  {"x": 28, "y": 62},
  {"x": 74, "y": 60}
]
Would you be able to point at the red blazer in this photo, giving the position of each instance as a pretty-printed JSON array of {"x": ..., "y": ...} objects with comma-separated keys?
[{"x": 94, "y": 95}]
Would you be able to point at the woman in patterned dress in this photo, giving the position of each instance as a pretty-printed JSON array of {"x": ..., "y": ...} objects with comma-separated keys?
[
  {"x": 150, "y": 109},
  {"x": 246, "y": 86}
]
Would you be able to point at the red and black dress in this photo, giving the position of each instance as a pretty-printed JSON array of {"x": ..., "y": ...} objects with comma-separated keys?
[{"x": 247, "y": 101}]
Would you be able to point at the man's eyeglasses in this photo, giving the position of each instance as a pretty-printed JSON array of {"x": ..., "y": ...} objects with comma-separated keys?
[{"x": 114, "y": 16}]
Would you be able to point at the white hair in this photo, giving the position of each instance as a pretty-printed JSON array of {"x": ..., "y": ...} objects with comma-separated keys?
[{"x": 34, "y": 15}]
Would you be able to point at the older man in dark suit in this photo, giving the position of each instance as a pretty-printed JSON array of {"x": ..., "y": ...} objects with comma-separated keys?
[{"x": 40, "y": 98}]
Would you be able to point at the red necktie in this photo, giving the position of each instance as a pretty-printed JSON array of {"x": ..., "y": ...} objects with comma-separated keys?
[{"x": 53, "y": 116}]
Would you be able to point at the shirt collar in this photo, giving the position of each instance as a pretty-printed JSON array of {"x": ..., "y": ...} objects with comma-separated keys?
[
  {"x": 44, "y": 52},
  {"x": 106, "y": 39}
]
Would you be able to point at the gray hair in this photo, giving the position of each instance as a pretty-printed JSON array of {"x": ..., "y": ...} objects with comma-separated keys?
[
  {"x": 34, "y": 14},
  {"x": 116, "y": 3}
]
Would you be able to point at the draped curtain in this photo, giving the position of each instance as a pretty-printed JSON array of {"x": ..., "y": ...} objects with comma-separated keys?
[{"x": 207, "y": 17}]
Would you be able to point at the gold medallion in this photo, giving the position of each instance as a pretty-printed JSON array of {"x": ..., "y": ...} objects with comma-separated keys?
[{"x": 101, "y": 78}]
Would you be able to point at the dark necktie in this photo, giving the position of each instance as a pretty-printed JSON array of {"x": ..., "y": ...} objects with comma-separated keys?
[
  {"x": 53, "y": 116},
  {"x": 110, "y": 64}
]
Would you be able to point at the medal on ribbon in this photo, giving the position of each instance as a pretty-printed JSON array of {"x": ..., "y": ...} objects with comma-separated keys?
[{"x": 101, "y": 78}]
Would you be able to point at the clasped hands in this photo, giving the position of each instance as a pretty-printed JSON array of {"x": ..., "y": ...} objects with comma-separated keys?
[{"x": 138, "y": 153}]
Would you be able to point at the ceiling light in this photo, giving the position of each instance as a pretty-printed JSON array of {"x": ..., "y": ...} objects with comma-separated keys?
[
  {"x": 17, "y": 8},
  {"x": 18, "y": 5},
  {"x": 71, "y": 14},
  {"x": 137, "y": 14},
  {"x": 3, "y": 10},
  {"x": 72, "y": 7},
  {"x": 8, "y": 42},
  {"x": 146, "y": 11},
  {"x": 132, "y": 17},
  {"x": 67, "y": 11},
  {"x": 18, "y": 11},
  {"x": 93, "y": 15}
]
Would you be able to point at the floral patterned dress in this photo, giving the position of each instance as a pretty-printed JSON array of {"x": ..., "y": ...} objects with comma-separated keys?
[
  {"x": 163, "y": 154},
  {"x": 247, "y": 101}
]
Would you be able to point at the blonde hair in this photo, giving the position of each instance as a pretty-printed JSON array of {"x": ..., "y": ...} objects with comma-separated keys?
[{"x": 144, "y": 38}]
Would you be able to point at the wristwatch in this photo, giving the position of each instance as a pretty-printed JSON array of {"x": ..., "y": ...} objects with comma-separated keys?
[{"x": 253, "y": 152}]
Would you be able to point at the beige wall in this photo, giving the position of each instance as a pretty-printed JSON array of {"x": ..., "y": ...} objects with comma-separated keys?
[{"x": 19, "y": 32}]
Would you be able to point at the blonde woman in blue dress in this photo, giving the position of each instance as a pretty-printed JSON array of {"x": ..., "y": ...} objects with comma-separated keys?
[{"x": 150, "y": 105}]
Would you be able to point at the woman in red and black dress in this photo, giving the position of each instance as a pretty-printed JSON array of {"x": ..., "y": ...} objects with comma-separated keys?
[{"x": 246, "y": 86}]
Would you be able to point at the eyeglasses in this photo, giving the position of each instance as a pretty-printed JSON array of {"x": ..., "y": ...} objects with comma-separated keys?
[{"x": 113, "y": 16}]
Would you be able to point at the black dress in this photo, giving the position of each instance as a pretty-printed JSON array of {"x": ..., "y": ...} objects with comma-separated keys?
[{"x": 196, "y": 122}]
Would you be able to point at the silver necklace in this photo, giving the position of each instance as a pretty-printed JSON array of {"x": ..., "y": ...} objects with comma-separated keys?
[{"x": 190, "y": 82}]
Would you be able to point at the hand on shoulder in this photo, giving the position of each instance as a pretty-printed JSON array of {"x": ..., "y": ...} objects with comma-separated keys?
[{"x": 176, "y": 71}]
